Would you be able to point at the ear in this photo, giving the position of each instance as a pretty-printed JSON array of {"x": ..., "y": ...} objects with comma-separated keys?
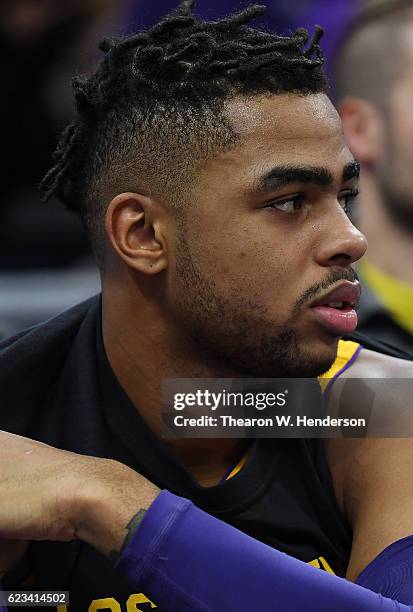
[
  {"x": 135, "y": 229},
  {"x": 363, "y": 129}
]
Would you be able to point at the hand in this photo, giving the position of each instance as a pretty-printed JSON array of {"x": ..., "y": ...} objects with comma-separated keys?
[{"x": 50, "y": 494}]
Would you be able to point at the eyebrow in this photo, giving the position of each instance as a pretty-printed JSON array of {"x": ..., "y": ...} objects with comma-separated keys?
[{"x": 280, "y": 176}]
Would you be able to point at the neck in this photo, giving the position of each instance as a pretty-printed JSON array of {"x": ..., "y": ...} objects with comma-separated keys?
[
  {"x": 142, "y": 351},
  {"x": 390, "y": 248}
]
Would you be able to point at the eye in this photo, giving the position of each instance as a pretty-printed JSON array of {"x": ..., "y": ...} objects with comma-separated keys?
[
  {"x": 289, "y": 205},
  {"x": 347, "y": 198}
]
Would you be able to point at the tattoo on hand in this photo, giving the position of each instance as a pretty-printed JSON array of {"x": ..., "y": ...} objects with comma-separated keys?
[{"x": 131, "y": 528}]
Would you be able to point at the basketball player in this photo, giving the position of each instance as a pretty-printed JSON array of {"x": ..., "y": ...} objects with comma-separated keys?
[{"x": 209, "y": 167}]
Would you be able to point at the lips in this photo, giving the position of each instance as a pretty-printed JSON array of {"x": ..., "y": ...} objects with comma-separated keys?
[
  {"x": 347, "y": 292},
  {"x": 335, "y": 310}
]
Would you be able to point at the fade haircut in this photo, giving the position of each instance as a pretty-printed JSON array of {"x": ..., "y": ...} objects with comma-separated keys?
[
  {"x": 154, "y": 109},
  {"x": 371, "y": 57}
]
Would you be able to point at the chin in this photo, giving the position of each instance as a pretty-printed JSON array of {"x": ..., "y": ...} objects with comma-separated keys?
[{"x": 324, "y": 354}]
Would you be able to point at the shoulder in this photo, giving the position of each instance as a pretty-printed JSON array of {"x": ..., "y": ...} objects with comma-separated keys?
[
  {"x": 31, "y": 361},
  {"x": 378, "y": 387},
  {"x": 31, "y": 340},
  {"x": 372, "y": 364}
]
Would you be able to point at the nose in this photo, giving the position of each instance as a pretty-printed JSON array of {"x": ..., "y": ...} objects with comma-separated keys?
[{"x": 342, "y": 244}]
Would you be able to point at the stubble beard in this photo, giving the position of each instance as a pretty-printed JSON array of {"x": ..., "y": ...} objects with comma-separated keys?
[
  {"x": 399, "y": 207},
  {"x": 236, "y": 333}
]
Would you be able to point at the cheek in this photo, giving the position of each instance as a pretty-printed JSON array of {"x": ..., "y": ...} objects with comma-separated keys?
[{"x": 265, "y": 268}]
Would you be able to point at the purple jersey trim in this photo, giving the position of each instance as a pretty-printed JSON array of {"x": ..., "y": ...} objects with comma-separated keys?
[{"x": 391, "y": 572}]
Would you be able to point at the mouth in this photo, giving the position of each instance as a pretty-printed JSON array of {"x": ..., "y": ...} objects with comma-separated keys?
[{"x": 335, "y": 310}]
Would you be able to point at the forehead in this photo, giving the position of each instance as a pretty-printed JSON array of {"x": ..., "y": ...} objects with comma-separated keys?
[{"x": 285, "y": 129}]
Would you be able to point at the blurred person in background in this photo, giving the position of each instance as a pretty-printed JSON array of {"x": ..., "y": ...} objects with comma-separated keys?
[{"x": 374, "y": 87}]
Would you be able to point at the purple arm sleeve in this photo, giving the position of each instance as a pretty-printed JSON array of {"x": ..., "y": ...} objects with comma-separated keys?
[
  {"x": 2, "y": 602},
  {"x": 185, "y": 559}
]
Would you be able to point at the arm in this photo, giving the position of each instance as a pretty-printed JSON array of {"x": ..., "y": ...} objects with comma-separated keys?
[
  {"x": 177, "y": 549},
  {"x": 44, "y": 492},
  {"x": 189, "y": 560},
  {"x": 373, "y": 476},
  {"x": 51, "y": 494}
]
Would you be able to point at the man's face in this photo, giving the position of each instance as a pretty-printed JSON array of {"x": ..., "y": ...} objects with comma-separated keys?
[
  {"x": 267, "y": 237},
  {"x": 394, "y": 172}
]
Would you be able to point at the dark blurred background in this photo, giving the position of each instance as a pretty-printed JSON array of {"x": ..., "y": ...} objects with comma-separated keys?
[{"x": 45, "y": 261}]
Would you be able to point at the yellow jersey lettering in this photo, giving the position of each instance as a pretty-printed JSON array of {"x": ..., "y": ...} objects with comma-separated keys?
[
  {"x": 134, "y": 600},
  {"x": 321, "y": 563},
  {"x": 325, "y": 566},
  {"x": 109, "y": 603}
]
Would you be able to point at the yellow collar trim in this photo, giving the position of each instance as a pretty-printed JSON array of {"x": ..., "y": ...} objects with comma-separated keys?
[{"x": 345, "y": 352}]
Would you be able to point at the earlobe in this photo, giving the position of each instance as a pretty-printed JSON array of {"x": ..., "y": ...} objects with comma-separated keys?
[
  {"x": 134, "y": 230},
  {"x": 363, "y": 129}
]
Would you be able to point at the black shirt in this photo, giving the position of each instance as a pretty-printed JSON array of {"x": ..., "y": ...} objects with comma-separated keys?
[{"x": 58, "y": 387}]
